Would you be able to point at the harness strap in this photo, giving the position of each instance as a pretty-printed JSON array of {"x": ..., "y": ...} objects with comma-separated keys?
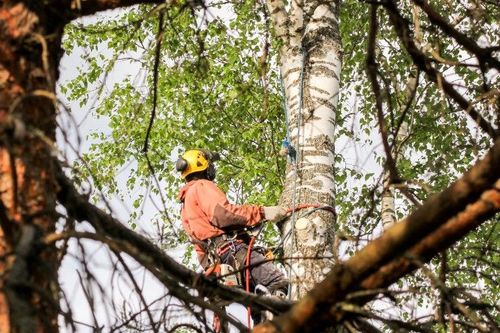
[{"x": 222, "y": 249}]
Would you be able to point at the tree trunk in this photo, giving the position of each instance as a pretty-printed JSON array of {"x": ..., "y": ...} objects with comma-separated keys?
[
  {"x": 388, "y": 212},
  {"x": 310, "y": 65},
  {"x": 29, "y": 52},
  {"x": 388, "y": 209},
  {"x": 388, "y": 206}
]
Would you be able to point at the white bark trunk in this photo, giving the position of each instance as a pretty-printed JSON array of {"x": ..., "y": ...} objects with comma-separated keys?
[
  {"x": 388, "y": 207},
  {"x": 310, "y": 65},
  {"x": 388, "y": 210}
]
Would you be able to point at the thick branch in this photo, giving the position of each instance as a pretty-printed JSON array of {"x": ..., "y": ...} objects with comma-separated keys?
[
  {"x": 445, "y": 236},
  {"x": 89, "y": 7},
  {"x": 79, "y": 208},
  {"x": 313, "y": 310},
  {"x": 174, "y": 286}
]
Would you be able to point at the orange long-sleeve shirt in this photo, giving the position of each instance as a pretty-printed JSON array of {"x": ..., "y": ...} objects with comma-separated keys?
[{"x": 207, "y": 213}]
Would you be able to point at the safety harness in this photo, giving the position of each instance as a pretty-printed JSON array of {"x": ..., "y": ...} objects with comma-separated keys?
[
  {"x": 220, "y": 249},
  {"x": 219, "y": 246}
]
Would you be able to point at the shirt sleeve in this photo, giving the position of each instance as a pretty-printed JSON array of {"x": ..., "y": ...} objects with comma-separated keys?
[{"x": 222, "y": 214}]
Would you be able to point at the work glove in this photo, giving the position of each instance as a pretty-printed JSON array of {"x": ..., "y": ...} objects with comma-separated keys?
[{"x": 274, "y": 213}]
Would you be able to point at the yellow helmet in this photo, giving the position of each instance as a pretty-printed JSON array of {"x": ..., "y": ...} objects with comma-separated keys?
[{"x": 191, "y": 161}]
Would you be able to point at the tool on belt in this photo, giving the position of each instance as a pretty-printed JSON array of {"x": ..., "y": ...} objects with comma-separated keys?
[{"x": 220, "y": 247}]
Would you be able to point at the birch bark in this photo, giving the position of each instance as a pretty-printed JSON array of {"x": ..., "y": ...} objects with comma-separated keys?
[
  {"x": 388, "y": 210},
  {"x": 310, "y": 61}
]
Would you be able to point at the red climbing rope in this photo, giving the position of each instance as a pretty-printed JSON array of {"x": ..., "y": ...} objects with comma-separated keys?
[
  {"x": 247, "y": 278},
  {"x": 304, "y": 206}
]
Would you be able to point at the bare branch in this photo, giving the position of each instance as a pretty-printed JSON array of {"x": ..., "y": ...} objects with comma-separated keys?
[
  {"x": 159, "y": 38},
  {"x": 150, "y": 255},
  {"x": 371, "y": 66},
  {"x": 155, "y": 262},
  {"x": 89, "y": 7}
]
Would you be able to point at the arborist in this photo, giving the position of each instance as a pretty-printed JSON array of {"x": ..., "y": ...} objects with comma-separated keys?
[{"x": 216, "y": 227}]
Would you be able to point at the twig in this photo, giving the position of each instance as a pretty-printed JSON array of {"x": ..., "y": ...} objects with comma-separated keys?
[
  {"x": 483, "y": 54},
  {"x": 159, "y": 38},
  {"x": 372, "y": 66}
]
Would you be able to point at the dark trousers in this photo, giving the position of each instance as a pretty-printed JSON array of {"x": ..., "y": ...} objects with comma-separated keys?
[{"x": 262, "y": 271}]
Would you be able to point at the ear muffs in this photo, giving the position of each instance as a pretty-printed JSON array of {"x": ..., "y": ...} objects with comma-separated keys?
[
  {"x": 212, "y": 156},
  {"x": 211, "y": 171},
  {"x": 181, "y": 164}
]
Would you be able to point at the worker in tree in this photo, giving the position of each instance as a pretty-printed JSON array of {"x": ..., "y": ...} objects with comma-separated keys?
[{"x": 216, "y": 227}]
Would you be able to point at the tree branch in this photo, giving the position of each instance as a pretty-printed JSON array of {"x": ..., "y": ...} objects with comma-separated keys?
[
  {"x": 371, "y": 68},
  {"x": 314, "y": 311},
  {"x": 150, "y": 255},
  {"x": 137, "y": 289},
  {"x": 393, "y": 323},
  {"x": 174, "y": 285},
  {"x": 483, "y": 55},
  {"x": 159, "y": 38},
  {"x": 441, "y": 239},
  {"x": 89, "y": 7},
  {"x": 404, "y": 33}
]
